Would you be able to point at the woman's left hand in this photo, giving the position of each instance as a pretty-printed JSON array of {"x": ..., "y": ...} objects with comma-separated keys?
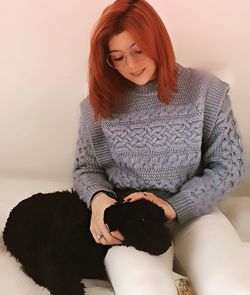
[{"x": 168, "y": 209}]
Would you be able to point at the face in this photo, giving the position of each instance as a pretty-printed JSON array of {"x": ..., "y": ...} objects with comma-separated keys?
[{"x": 135, "y": 68}]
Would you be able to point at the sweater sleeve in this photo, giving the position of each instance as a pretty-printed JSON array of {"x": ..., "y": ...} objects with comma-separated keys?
[
  {"x": 88, "y": 177},
  {"x": 222, "y": 168}
]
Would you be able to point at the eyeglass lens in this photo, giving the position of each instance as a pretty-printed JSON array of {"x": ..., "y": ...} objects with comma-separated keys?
[{"x": 117, "y": 59}]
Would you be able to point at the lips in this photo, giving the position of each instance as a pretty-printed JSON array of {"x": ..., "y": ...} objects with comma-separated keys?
[{"x": 138, "y": 73}]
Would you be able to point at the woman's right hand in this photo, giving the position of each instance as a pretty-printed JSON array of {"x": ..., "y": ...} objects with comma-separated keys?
[{"x": 99, "y": 230}]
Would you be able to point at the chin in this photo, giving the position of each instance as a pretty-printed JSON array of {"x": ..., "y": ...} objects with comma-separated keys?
[
  {"x": 147, "y": 75},
  {"x": 141, "y": 81}
]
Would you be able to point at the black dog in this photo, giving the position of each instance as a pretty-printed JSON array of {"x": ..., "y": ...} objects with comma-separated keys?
[{"x": 49, "y": 235}]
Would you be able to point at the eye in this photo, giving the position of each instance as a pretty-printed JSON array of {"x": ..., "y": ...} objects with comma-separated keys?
[
  {"x": 138, "y": 52},
  {"x": 117, "y": 58}
]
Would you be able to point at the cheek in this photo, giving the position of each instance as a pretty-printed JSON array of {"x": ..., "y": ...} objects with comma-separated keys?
[
  {"x": 152, "y": 66},
  {"x": 123, "y": 72}
]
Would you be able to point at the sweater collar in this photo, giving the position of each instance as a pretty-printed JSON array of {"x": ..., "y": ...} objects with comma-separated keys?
[{"x": 150, "y": 88}]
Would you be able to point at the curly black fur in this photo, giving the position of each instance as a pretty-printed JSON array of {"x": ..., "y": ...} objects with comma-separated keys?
[{"x": 49, "y": 235}]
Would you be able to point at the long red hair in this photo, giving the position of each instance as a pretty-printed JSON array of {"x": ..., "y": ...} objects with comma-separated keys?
[{"x": 140, "y": 19}]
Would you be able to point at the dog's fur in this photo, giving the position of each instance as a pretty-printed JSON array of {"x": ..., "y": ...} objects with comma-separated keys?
[{"x": 49, "y": 235}]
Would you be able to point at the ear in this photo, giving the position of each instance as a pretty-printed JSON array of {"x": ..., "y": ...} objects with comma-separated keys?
[{"x": 114, "y": 215}]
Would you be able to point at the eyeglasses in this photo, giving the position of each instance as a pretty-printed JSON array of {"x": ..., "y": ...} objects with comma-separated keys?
[{"x": 118, "y": 58}]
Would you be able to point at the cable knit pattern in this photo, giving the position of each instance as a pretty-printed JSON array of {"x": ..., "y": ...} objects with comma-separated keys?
[
  {"x": 187, "y": 152},
  {"x": 89, "y": 177}
]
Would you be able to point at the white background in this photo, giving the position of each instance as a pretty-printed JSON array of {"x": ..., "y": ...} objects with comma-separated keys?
[{"x": 43, "y": 71}]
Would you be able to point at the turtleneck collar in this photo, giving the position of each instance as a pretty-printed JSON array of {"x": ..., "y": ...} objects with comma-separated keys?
[{"x": 150, "y": 88}]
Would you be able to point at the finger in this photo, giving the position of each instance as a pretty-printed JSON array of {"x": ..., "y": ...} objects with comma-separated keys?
[
  {"x": 134, "y": 197},
  {"x": 130, "y": 196},
  {"x": 139, "y": 196},
  {"x": 95, "y": 236},
  {"x": 150, "y": 196},
  {"x": 108, "y": 239},
  {"x": 117, "y": 234}
]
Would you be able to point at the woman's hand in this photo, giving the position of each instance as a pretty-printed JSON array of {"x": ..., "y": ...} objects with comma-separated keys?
[
  {"x": 168, "y": 209},
  {"x": 99, "y": 230}
]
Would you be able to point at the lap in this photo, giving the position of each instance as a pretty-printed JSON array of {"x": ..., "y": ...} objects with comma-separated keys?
[
  {"x": 136, "y": 272},
  {"x": 209, "y": 250}
]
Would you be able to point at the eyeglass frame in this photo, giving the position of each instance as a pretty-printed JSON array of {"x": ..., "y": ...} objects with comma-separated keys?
[{"x": 125, "y": 55}]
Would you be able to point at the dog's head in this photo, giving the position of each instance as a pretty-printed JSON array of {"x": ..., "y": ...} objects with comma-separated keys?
[{"x": 142, "y": 225}]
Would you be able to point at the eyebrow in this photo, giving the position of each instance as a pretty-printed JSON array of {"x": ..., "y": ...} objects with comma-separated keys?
[{"x": 123, "y": 49}]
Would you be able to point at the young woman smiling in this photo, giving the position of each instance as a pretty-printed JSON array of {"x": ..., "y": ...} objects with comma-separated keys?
[{"x": 151, "y": 128}]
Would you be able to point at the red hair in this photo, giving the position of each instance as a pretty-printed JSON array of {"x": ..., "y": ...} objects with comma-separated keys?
[{"x": 139, "y": 18}]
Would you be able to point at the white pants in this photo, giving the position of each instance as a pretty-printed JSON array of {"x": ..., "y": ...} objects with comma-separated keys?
[{"x": 208, "y": 249}]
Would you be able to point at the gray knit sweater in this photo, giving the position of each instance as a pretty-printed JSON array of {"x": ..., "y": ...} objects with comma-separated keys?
[{"x": 188, "y": 152}]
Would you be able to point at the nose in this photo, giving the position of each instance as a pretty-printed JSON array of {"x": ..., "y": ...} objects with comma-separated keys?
[{"x": 130, "y": 61}]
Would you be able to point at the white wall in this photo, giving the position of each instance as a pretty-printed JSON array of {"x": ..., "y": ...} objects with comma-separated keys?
[{"x": 43, "y": 65}]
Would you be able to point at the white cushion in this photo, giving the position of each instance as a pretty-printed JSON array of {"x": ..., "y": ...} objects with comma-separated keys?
[
  {"x": 237, "y": 210},
  {"x": 14, "y": 282}
]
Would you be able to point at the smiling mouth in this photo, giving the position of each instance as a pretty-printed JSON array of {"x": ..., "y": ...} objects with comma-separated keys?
[{"x": 138, "y": 73}]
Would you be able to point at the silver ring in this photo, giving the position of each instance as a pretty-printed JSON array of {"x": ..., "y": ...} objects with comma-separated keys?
[{"x": 99, "y": 236}]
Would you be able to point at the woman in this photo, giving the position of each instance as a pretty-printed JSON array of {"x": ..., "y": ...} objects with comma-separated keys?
[{"x": 153, "y": 129}]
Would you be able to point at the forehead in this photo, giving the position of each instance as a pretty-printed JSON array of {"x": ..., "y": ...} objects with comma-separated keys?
[{"x": 121, "y": 41}]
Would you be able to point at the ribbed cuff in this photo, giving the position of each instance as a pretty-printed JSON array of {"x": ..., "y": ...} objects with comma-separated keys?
[
  {"x": 108, "y": 193},
  {"x": 183, "y": 205},
  {"x": 88, "y": 193}
]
